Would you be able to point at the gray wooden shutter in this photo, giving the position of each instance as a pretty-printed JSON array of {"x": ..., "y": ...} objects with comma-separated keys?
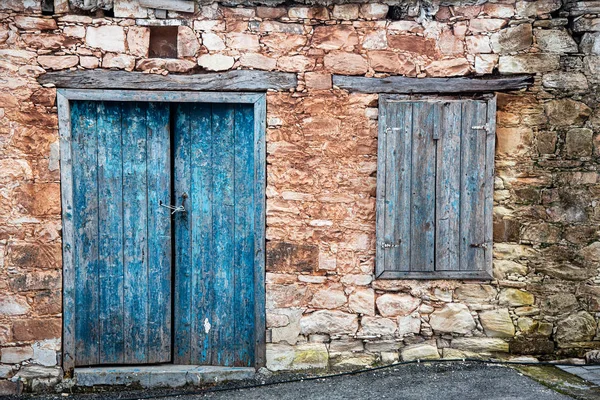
[{"x": 435, "y": 188}]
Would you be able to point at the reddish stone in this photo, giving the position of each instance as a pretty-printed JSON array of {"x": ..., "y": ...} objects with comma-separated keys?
[
  {"x": 346, "y": 63},
  {"x": 295, "y": 63},
  {"x": 138, "y": 41},
  {"x": 413, "y": 44},
  {"x": 36, "y": 329},
  {"x": 45, "y": 97},
  {"x": 334, "y": 37},
  {"x": 453, "y": 67},
  {"x": 26, "y": 255},
  {"x": 270, "y": 12},
  {"x": 467, "y": 11},
  {"x": 39, "y": 198},
  {"x": 58, "y": 62},
  {"x": 34, "y": 23},
  {"x": 318, "y": 80},
  {"x": 388, "y": 61},
  {"x": 486, "y": 25},
  {"x": 443, "y": 13},
  {"x": 290, "y": 257},
  {"x": 187, "y": 42},
  {"x": 48, "y": 302},
  {"x": 46, "y": 41},
  {"x": 450, "y": 45},
  {"x": 179, "y": 66},
  {"x": 284, "y": 42}
]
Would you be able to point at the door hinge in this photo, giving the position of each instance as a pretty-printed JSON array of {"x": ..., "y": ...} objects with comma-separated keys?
[
  {"x": 485, "y": 128},
  {"x": 391, "y": 130},
  {"x": 386, "y": 245}
]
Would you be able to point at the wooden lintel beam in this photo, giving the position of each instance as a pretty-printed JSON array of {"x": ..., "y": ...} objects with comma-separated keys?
[
  {"x": 238, "y": 80},
  {"x": 404, "y": 85}
]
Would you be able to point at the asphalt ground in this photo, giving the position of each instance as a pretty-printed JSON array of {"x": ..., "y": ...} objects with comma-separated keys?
[{"x": 424, "y": 381}]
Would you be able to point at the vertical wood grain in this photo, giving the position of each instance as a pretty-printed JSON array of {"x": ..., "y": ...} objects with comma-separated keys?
[{"x": 490, "y": 149}]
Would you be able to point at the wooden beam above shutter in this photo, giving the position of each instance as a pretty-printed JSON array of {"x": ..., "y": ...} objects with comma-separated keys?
[{"x": 403, "y": 85}]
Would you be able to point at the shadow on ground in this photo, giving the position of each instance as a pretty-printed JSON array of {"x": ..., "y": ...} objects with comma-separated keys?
[{"x": 424, "y": 381}]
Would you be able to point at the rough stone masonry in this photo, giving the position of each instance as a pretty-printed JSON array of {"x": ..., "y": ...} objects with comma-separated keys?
[{"x": 324, "y": 308}]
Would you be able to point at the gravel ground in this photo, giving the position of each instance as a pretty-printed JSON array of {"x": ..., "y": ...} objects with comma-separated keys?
[{"x": 424, "y": 381}]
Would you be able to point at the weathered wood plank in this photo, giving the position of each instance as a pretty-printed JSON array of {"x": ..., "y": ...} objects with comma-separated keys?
[
  {"x": 490, "y": 152},
  {"x": 479, "y": 275},
  {"x": 68, "y": 235},
  {"x": 238, "y": 80},
  {"x": 403, "y": 85},
  {"x": 135, "y": 235},
  {"x": 392, "y": 159},
  {"x": 243, "y": 234},
  {"x": 85, "y": 216},
  {"x": 204, "y": 294},
  {"x": 183, "y": 232},
  {"x": 186, "y": 6},
  {"x": 380, "y": 204},
  {"x": 110, "y": 233},
  {"x": 159, "y": 232},
  {"x": 448, "y": 187},
  {"x": 260, "y": 182},
  {"x": 423, "y": 188},
  {"x": 223, "y": 233}
]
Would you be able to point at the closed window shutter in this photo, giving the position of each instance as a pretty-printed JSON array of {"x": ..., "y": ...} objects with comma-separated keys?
[{"x": 435, "y": 188}]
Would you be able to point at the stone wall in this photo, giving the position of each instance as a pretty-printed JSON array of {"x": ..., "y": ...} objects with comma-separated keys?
[{"x": 324, "y": 308}]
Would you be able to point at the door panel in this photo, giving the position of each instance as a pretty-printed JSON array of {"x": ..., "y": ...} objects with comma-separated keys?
[
  {"x": 123, "y": 247},
  {"x": 214, "y": 279}
]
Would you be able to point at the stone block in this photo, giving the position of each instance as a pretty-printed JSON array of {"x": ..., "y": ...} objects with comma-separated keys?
[
  {"x": 531, "y": 346},
  {"x": 11, "y": 304},
  {"x": 393, "y": 305},
  {"x": 480, "y": 345},
  {"x": 345, "y": 63},
  {"x": 528, "y": 63},
  {"x": 568, "y": 81},
  {"x": 447, "y": 68},
  {"x": 515, "y": 297},
  {"x": 373, "y": 10},
  {"x": 417, "y": 45},
  {"x": 567, "y": 112},
  {"x": 118, "y": 61},
  {"x": 478, "y": 44},
  {"x": 475, "y": 293},
  {"x": 270, "y": 12},
  {"x": 58, "y": 62},
  {"x": 328, "y": 298},
  {"x": 108, "y": 38},
  {"x": 329, "y": 322},
  {"x": 420, "y": 351},
  {"x": 512, "y": 39},
  {"x": 138, "y": 41},
  {"x": 389, "y": 61},
  {"x": 243, "y": 41},
  {"x": 555, "y": 41},
  {"x": 36, "y": 329},
  {"x": 318, "y": 80},
  {"x": 362, "y": 301},
  {"x": 215, "y": 62},
  {"x": 8, "y": 388},
  {"x": 579, "y": 327},
  {"x": 590, "y": 43},
  {"x": 452, "y": 318},
  {"x": 409, "y": 324},
  {"x": 376, "y": 326},
  {"x": 16, "y": 355},
  {"x": 353, "y": 361},
  {"x": 45, "y": 352},
  {"x": 258, "y": 61},
  {"x": 497, "y": 323},
  {"x": 347, "y": 12},
  {"x": 291, "y": 257},
  {"x": 485, "y": 25},
  {"x": 534, "y": 328},
  {"x": 579, "y": 142},
  {"x": 546, "y": 142},
  {"x": 35, "y": 23},
  {"x": 334, "y": 37},
  {"x": 298, "y": 63}
]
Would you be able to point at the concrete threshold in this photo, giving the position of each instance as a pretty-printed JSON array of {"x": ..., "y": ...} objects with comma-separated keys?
[{"x": 159, "y": 376}]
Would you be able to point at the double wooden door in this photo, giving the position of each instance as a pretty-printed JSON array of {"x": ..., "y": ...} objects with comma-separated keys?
[{"x": 164, "y": 201}]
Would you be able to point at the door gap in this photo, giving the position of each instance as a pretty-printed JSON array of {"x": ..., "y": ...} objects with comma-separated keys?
[{"x": 172, "y": 118}]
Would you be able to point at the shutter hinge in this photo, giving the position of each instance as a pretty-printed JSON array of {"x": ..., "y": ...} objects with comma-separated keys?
[
  {"x": 386, "y": 245},
  {"x": 390, "y": 130},
  {"x": 485, "y": 128}
]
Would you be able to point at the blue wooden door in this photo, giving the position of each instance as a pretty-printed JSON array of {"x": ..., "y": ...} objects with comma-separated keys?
[
  {"x": 214, "y": 179},
  {"x": 122, "y": 248}
]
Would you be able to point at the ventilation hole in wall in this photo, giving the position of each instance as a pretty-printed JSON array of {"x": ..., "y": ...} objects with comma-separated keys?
[
  {"x": 163, "y": 42},
  {"x": 396, "y": 13},
  {"x": 47, "y": 7}
]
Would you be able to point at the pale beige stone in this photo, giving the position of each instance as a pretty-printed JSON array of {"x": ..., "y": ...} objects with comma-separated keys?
[
  {"x": 297, "y": 63},
  {"x": 58, "y": 62},
  {"x": 528, "y": 63},
  {"x": 345, "y": 63},
  {"x": 376, "y": 326},
  {"x": 334, "y": 37},
  {"x": 119, "y": 61},
  {"x": 478, "y": 44},
  {"x": 485, "y": 63},
  {"x": 515, "y": 297},
  {"x": 89, "y": 62},
  {"x": 108, "y": 38},
  {"x": 258, "y": 61},
  {"x": 484, "y": 25},
  {"x": 452, "y": 67},
  {"x": 393, "y": 305},
  {"x": 362, "y": 301},
  {"x": 480, "y": 345},
  {"x": 212, "y": 41},
  {"x": 138, "y": 41},
  {"x": 497, "y": 323},
  {"x": 374, "y": 10},
  {"x": 215, "y": 62},
  {"x": 243, "y": 41},
  {"x": 16, "y": 355},
  {"x": 74, "y": 31},
  {"x": 420, "y": 351},
  {"x": 409, "y": 324},
  {"x": 347, "y": 12},
  {"x": 328, "y": 298},
  {"x": 330, "y": 322},
  {"x": 452, "y": 318}
]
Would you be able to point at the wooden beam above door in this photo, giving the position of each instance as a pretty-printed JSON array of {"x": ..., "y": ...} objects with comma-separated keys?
[
  {"x": 238, "y": 80},
  {"x": 404, "y": 85}
]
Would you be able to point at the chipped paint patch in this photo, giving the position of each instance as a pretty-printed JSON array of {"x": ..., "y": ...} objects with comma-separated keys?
[{"x": 206, "y": 325}]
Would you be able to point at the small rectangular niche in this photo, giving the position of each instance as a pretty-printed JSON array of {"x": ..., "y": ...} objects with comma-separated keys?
[{"x": 163, "y": 42}]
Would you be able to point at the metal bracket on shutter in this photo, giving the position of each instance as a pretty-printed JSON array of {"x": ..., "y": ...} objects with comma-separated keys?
[
  {"x": 485, "y": 128},
  {"x": 386, "y": 245},
  {"x": 481, "y": 245},
  {"x": 390, "y": 130}
]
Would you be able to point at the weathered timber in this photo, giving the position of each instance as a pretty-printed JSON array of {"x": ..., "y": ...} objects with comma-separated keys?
[
  {"x": 239, "y": 80},
  {"x": 403, "y": 85},
  {"x": 171, "y": 5}
]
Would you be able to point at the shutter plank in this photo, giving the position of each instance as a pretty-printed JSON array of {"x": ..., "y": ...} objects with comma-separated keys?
[
  {"x": 183, "y": 263},
  {"x": 490, "y": 152},
  {"x": 244, "y": 240},
  {"x": 391, "y": 134},
  {"x": 473, "y": 154},
  {"x": 110, "y": 232},
  {"x": 448, "y": 187},
  {"x": 135, "y": 220},
  {"x": 384, "y": 106},
  {"x": 203, "y": 279},
  {"x": 85, "y": 220},
  {"x": 159, "y": 232},
  {"x": 223, "y": 220},
  {"x": 423, "y": 188}
]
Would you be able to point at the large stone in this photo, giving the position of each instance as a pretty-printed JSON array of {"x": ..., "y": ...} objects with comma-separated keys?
[
  {"x": 36, "y": 329},
  {"x": 586, "y": 25},
  {"x": 579, "y": 142},
  {"x": 258, "y": 61},
  {"x": 533, "y": 346},
  {"x": 346, "y": 12},
  {"x": 409, "y": 324},
  {"x": 107, "y": 38},
  {"x": 279, "y": 357},
  {"x": 138, "y": 41},
  {"x": 310, "y": 356},
  {"x": 119, "y": 61},
  {"x": 478, "y": 44},
  {"x": 555, "y": 41},
  {"x": 297, "y": 63},
  {"x": 591, "y": 253},
  {"x": 453, "y": 318},
  {"x": 213, "y": 42},
  {"x": 187, "y": 42},
  {"x": 526, "y": 8},
  {"x": 503, "y": 268},
  {"x": 590, "y": 43},
  {"x": 579, "y": 327},
  {"x": 375, "y": 40},
  {"x": 291, "y": 257},
  {"x": 374, "y": 10},
  {"x": 420, "y": 351},
  {"x": 515, "y": 297},
  {"x": 345, "y": 63},
  {"x": 452, "y": 67},
  {"x": 18, "y": 57},
  {"x": 45, "y": 41},
  {"x": 531, "y": 327},
  {"x": 418, "y": 45},
  {"x": 284, "y": 43},
  {"x": 178, "y": 65},
  {"x": 388, "y": 61},
  {"x": 35, "y": 23},
  {"x": 334, "y": 37},
  {"x": 289, "y": 330},
  {"x": 45, "y": 352},
  {"x": 485, "y": 63},
  {"x": 362, "y": 301},
  {"x": 566, "y": 112},
  {"x": 513, "y": 39},
  {"x": 215, "y": 62},
  {"x": 497, "y": 323},
  {"x": 393, "y": 305},
  {"x": 484, "y": 25},
  {"x": 570, "y": 81},
  {"x": 353, "y": 361},
  {"x": 592, "y": 67},
  {"x": 377, "y": 326},
  {"x": 58, "y": 62},
  {"x": 528, "y": 63},
  {"x": 243, "y": 41},
  {"x": 16, "y": 355},
  {"x": 480, "y": 345},
  {"x": 328, "y": 298},
  {"x": 11, "y": 304},
  {"x": 330, "y": 322}
]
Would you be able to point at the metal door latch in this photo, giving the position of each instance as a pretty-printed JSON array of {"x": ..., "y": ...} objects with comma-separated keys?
[
  {"x": 480, "y": 245},
  {"x": 485, "y": 128},
  {"x": 385, "y": 245},
  {"x": 174, "y": 209},
  {"x": 391, "y": 130}
]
